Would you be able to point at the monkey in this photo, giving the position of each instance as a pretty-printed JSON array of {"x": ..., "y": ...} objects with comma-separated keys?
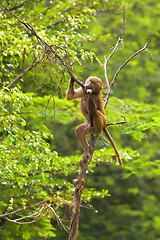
[{"x": 92, "y": 108}]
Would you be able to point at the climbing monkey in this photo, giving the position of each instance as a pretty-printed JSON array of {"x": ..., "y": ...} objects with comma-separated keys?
[{"x": 93, "y": 110}]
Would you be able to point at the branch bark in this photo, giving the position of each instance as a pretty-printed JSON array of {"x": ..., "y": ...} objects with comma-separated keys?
[{"x": 79, "y": 185}]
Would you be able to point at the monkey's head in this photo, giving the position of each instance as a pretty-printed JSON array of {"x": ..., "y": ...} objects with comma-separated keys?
[{"x": 93, "y": 85}]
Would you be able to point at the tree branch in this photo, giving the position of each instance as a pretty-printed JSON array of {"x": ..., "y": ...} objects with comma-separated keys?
[
  {"x": 123, "y": 122},
  {"x": 33, "y": 65},
  {"x": 119, "y": 69},
  {"x": 58, "y": 218},
  {"x": 107, "y": 59},
  {"x": 62, "y": 60},
  {"x": 40, "y": 210}
]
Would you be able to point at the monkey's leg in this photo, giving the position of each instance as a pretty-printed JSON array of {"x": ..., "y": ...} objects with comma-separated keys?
[{"x": 81, "y": 132}]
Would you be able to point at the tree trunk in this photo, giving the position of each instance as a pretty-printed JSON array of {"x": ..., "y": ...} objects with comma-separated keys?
[{"x": 79, "y": 185}]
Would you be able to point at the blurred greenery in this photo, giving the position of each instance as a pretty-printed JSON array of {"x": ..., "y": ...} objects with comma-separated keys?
[{"x": 39, "y": 153}]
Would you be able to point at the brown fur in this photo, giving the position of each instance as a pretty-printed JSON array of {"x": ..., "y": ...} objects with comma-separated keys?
[{"x": 93, "y": 110}]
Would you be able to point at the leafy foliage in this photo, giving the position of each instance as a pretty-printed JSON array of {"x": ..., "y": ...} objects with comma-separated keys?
[{"x": 39, "y": 152}]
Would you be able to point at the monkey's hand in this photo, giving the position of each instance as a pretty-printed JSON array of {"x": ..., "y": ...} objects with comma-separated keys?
[{"x": 72, "y": 80}]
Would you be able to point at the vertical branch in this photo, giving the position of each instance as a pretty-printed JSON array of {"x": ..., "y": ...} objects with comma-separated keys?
[
  {"x": 79, "y": 185},
  {"x": 105, "y": 72},
  {"x": 120, "y": 40},
  {"x": 107, "y": 59}
]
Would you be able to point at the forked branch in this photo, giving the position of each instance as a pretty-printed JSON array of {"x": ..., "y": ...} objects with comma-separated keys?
[{"x": 120, "y": 40}]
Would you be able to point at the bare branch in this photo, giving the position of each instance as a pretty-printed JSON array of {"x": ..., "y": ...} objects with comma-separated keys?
[
  {"x": 123, "y": 122},
  {"x": 107, "y": 59},
  {"x": 35, "y": 214},
  {"x": 52, "y": 96},
  {"x": 36, "y": 217},
  {"x": 11, "y": 213},
  {"x": 23, "y": 223},
  {"x": 20, "y": 209},
  {"x": 58, "y": 218},
  {"x": 99, "y": 62},
  {"x": 105, "y": 72},
  {"x": 120, "y": 40},
  {"x": 119, "y": 69}
]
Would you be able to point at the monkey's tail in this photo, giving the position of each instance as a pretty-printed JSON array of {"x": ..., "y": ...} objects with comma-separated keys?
[{"x": 113, "y": 145}]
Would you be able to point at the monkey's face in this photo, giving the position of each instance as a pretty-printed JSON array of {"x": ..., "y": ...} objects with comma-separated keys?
[
  {"x": 89, "y": 84},
  {"x": 94, "y": 84}
]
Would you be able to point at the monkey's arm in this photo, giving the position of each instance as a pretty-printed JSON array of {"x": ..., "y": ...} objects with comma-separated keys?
[{"x": 73, "y": 93}]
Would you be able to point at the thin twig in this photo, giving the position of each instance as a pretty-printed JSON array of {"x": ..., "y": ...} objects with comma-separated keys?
[
  {"x": 57, "y": 217},
  {"x": 115, "y": 48},
  {"x": 54, "y": 95},
  {"x": 102, "y": 65},
  {"x": 8, "y": 213},
  {"x": 23, "y": 223},
  {"x": 35, "y": 214},
  {"x": 105, "y": 72},
  {"x": 123, "y": 122}
]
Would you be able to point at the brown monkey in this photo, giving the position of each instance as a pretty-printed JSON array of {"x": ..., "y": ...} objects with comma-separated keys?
[{"x": 93, "y": 110}]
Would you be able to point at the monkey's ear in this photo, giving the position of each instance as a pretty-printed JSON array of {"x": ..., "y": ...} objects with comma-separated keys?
[{"x": 101, "y": 86}]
